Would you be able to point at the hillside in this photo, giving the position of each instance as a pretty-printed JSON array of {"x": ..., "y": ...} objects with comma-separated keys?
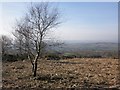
[{"x": 70, "y": 73}]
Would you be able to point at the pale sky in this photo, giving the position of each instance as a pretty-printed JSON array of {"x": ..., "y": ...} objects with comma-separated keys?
[{"x": 92, "y": 21}]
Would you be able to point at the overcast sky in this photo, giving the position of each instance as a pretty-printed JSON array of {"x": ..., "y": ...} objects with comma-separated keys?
[{"x": 81, "y": 21}]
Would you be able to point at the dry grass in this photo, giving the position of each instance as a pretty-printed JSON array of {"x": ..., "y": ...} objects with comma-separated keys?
[{"x": 63, "y": 73}]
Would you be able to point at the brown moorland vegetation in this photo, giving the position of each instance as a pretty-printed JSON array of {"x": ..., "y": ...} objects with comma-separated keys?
[{"x": 69, "y": 73}]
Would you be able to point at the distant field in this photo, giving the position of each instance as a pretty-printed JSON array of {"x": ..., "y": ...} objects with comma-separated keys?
[
  {"x": 62, "y": 73},
  {"x": 98, "y": 46},
  {"x": 102, "y": 49}
]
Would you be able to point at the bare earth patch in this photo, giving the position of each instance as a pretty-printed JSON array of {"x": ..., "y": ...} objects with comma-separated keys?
[{"x": 71, "y": 73}]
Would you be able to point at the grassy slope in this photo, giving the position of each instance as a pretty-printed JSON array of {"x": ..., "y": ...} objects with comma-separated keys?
[{"x": 62, "y": 73}]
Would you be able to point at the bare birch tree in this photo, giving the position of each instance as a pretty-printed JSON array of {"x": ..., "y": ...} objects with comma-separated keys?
[{"x": 38, "y": 21}]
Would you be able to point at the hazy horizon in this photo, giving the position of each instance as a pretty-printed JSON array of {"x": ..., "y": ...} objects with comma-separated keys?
[
  {"x": 88, "y": 21},
  {"x": 88, "y": 41}
]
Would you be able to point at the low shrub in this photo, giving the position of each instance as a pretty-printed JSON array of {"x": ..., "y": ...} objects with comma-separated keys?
[
  {"x": 9, "y": 57},
  {"x": 53, "y": 57}
]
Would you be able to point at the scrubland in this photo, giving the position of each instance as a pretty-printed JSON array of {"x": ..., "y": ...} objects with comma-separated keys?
[{"x": 68, "y": 73}]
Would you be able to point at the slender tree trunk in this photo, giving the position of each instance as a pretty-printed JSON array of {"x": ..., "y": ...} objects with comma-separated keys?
[{"x": 34, "y": 69}]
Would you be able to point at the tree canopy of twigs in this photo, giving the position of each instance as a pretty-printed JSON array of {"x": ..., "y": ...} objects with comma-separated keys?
[{"x": 33, "y": 30}]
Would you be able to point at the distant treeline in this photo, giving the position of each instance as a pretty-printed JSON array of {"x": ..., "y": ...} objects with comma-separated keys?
[
  {"x": 58, "y": 56},
  {"x": 70, "y": 55}
]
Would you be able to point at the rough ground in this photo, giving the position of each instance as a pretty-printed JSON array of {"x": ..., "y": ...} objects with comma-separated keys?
[{"x": 69, "y": 73}]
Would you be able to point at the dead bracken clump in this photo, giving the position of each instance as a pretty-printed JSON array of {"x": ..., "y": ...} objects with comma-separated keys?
[{"x": 70, "y": 73}]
